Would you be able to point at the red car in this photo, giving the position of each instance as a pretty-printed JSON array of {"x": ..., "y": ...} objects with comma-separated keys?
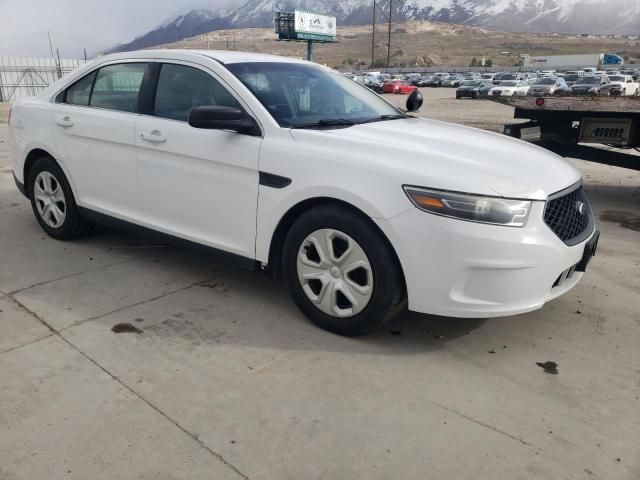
[{"x": 398, "y": 86}]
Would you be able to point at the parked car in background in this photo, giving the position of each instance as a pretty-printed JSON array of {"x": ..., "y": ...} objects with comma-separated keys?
[
  {"x": 549, "y": 86},
  {"x": 473, "y": 76},
  {"x": 373, "y": 84},
  {"x": 487, "y": 76},
  {"x": 504, "y": 77},
  {"x": 621, "y": 85},
  {"x": 474, "y": 89},
  {"x": 452, "y": 81},
  {"x": 571, "y": 78},
  {"x": 510, "y": 88},
  {"x": 433, "y": 81},
  {"x": 590, "y": 85},
  {"x": 634, "y": 72},
  {"x": 398, "y": 86}
]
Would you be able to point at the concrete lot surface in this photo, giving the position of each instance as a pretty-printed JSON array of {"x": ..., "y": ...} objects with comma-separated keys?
[{"x": 222, "y": 378}]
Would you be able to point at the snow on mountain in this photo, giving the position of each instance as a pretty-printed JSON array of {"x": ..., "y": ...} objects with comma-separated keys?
[{"x": 564, "y": 16}]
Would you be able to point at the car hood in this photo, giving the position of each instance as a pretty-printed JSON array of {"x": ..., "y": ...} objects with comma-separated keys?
[
  {"x": 436, "y": 154},
  {"x": 468, "y": 87},
  {"x": 616, "y": 84}
]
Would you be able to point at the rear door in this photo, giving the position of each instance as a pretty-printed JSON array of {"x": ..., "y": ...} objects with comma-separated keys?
[
  {"x": 197, "y": 184},
  {"x": 94, "y": 125}
]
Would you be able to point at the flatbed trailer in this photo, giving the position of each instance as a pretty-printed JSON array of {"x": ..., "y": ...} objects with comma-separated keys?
[{"x": 613, "y": 121}]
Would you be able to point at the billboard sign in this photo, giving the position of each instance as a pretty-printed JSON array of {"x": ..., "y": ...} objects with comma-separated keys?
[{"x": 315, "y": 23}]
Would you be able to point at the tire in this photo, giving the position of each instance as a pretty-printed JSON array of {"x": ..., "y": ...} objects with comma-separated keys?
[
  {"x": 52, "y": 201},
  {"x": 373, "y": 280}
]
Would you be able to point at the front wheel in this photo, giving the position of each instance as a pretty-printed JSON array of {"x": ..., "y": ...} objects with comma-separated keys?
[
  {"x": 52, "y": 201},
  {"x": 341, "y": 272}
]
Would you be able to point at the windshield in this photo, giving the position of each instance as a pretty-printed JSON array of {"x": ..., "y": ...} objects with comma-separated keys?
[
  {"x": 590, "y": 80},
  {"x": 616, "y": 78},
  {"x": 301, "y": 94},
  {"x": 470, "y": 84},
  {"x": 571, "y": 78},
  {"x": 546, "y": 81}
]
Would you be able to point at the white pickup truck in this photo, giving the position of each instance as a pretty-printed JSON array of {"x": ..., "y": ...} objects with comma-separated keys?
[{"x": 622, "y": 85}]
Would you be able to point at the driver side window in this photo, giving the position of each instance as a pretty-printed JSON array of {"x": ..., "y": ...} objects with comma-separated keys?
[{"x": 181, "y": 88}]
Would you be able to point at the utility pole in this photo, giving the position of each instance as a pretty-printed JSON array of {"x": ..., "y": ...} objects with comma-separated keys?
[
  {"x": 50, "y": 46},
  {"x": 373, "y": 35},
  {"x": 389, "y": 40},
  {"x": 59, "y": 64}
]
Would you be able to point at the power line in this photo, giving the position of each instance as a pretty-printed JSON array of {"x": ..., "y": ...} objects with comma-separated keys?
[
  {"x": 80, "y": 40},
  {"x": 10, "y": 39}
]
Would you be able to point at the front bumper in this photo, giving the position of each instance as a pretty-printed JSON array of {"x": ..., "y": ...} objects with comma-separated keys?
[
  {"x": 467, "y": 93},
  {"x": 456, "y": 268}
]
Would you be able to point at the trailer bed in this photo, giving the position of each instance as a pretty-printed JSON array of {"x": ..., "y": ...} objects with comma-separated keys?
[{"x": 560, "y": 106}]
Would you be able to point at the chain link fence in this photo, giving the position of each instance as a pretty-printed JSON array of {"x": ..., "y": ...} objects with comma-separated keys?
[{"x": 29, "y": 76}]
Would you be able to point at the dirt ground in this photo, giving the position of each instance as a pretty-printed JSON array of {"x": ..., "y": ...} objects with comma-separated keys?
[{"x": 217, "y": 374}]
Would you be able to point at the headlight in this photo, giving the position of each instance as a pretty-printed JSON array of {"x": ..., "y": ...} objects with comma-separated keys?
[{"x": 473, "y": 208}]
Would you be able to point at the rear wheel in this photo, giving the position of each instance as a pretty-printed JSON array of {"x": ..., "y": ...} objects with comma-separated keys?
[
  {"x": 52, "y": 201},
  {"x": 341, "y": 273}
]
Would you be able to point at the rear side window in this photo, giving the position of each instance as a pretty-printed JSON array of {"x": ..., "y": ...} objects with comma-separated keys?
[
  {"x": 181, "y": 88},
  {"x": 117, "y": 87},
  {"x": 79, "y": 92}
]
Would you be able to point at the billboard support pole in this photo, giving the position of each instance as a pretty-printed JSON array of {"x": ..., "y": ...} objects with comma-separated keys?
[{"x": 310, "y": 50}]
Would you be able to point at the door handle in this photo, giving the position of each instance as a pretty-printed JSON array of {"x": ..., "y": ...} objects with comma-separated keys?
[
  {"x": 64, "y": 122},
  {"x": 154, "y": 137}
]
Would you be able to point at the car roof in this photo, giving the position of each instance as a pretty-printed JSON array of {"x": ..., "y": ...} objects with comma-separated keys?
[{"x": 222, "y": 56}]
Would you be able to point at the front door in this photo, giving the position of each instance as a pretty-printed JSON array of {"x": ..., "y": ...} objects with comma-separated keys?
[{"x": 201, "y": 185}]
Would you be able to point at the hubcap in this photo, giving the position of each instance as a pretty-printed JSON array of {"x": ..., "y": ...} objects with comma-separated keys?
[
  {"x": 49, "y": 199},
  {"x": 335, "y": 273}
]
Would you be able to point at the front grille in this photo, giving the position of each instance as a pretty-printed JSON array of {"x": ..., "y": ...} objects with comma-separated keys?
[{"x": 569, "y": 216}]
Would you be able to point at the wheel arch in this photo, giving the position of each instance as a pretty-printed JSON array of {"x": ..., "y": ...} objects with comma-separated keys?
[
  {"x": 29, "y": 161},
  {"x": 274, "y": 266}
]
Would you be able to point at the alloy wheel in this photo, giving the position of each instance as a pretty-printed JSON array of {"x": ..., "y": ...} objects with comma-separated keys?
[
  {"x": 335, "y": 273},
  {"x": 50, "y": 200}
]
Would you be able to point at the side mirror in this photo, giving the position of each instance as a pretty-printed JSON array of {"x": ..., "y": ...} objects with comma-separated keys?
[
  {"x": 223, "y": 118},
  {"x": 414, "y": 102}
]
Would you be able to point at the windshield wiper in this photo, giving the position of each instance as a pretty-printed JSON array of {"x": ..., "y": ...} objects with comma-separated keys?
[
  {"x": 382, "y": 118},
  {"x": 327, "y": 122}
]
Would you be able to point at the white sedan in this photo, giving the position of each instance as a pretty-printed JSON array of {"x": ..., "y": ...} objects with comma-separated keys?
[
  {"x": 362, "y": 208},
  {"x": 510, "y": 88}
]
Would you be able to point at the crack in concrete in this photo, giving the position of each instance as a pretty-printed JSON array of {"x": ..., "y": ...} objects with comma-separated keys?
[
  {"x": 478, "y": 422},
  {"x": 11, "y": 349},
  {"x": 193, "y": 436},
  {"x": 142, "y": 302},
  {"x": 71, "y": 275}
]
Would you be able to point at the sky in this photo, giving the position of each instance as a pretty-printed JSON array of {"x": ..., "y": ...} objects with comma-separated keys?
[{"x": 76, "y": 24}]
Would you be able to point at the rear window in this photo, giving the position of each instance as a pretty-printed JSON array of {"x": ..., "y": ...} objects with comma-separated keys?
[
  {"x": 117, "y": 87},
  {"x": 79, "y": 92}
]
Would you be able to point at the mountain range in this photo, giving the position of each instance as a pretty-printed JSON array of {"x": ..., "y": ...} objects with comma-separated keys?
[{"x": 562, "y": 16}]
